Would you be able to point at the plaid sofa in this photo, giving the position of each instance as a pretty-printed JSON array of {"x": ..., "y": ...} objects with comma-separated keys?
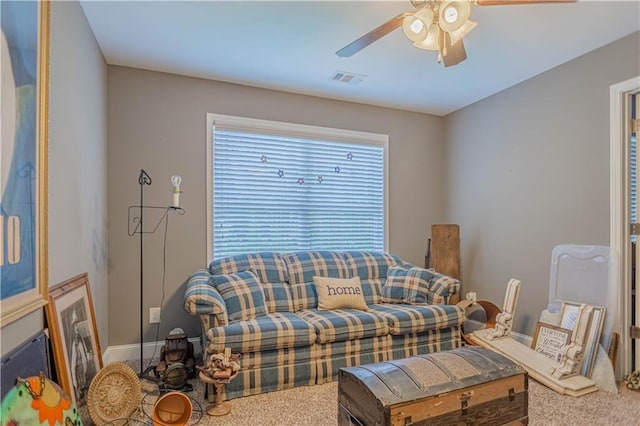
[{"x": 264, "y": 306}]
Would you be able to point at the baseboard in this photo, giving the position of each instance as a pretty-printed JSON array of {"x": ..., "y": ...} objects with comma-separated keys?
[{"x": 149, "y": 349}]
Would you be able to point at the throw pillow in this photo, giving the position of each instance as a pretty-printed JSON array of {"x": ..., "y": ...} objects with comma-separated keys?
[
  {"x": 242, "y": 294},
  {"x": 410, "y": 286},
  {"x": 338, "y": 293}
]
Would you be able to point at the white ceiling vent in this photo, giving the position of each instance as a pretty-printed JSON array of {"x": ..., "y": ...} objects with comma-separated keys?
[{"x": 347, "y": 78}]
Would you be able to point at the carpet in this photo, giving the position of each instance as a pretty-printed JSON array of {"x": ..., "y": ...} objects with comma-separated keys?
[{"x": 317, "y": 406}]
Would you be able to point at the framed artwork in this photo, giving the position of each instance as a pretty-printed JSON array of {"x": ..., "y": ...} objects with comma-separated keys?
[
  {"x": 550, "y": 340},
  {"x": 23, "y": 166},
  {"x": 74, "y": 336},
  {"x": 568, "y": 315}
]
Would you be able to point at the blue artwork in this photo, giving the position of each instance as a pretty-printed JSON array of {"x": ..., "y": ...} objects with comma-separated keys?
[{"x": 19, "y": 147}]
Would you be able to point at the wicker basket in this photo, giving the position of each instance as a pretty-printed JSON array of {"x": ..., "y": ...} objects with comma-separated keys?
[{"x": 114, "y": 394}]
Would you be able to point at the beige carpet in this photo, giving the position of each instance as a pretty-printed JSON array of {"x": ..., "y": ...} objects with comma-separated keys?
[{"x": 317, "y": 406}]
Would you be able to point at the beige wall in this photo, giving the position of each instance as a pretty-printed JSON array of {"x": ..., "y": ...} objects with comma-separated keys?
[
  {"x": 528, "y": 169},
  {"x": 157, "y": 123},
  {"x": 77, "y": 166}
]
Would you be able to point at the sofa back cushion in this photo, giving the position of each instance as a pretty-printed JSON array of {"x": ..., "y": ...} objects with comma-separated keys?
[
  {"x": 242, "y": 295},
  {"x": 407, "y": 285},
  {"x": 372, "y": 268},
  {"x": 271, "y": 271},
  {"x": 302, "y": 266}
]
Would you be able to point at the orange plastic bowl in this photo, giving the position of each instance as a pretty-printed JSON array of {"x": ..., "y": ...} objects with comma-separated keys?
[{"x": 173, "y": 408}]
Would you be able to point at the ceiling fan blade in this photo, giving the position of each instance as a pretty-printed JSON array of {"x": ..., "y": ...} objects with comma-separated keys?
[
  {"x": 455, "y": 53},
  {"x": 373, "y": 35},
  {"x": 511, "y": 2}
]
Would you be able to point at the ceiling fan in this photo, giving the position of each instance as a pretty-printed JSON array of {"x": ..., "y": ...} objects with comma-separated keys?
[{"x": 438, "y": 25}]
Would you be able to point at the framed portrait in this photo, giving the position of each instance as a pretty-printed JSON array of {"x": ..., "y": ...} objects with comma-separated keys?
[
  {"x": 23, "y": 166},
  {"x": 568, "y": 314},
  {"x": 74, "y": 337},
  {"x": 550, "y": 340}
]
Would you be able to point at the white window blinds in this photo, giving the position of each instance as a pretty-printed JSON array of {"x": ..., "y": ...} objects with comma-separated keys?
[{"x": 283, "y": 189}]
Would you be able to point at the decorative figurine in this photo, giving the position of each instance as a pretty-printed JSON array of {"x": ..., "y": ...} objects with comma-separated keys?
[
  {"x": 221, "y": 368},
  {"x": 572, "y": 355},
  {"x": 504, "y": 320}
]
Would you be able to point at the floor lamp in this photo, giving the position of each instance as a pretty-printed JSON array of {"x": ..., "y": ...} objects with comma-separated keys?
[{"x": 136, "y": 226}]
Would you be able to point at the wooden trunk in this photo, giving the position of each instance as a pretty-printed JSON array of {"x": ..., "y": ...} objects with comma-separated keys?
[{"x": 469, "y": 385}]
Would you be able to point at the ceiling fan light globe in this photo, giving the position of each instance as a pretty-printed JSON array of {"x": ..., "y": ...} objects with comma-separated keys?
[
  {"x": 413, "y": 28},
  {"x": 461, "y": 32},
  {"x": 453, "y": 14},
  {"x": 417, "y": 25},
  {"x": 425, "y": 15},
  {"x": 431, "y": 41}
]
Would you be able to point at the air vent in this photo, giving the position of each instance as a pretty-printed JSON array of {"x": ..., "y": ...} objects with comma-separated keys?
[{"x": 347, "y": 78}]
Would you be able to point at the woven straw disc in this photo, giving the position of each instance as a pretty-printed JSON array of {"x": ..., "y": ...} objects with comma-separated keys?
[{"x": 114, "y": 393}]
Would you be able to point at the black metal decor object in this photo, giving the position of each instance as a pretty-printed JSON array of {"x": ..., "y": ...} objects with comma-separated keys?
[
  {"x": 137, "y": 223},
  {"x": 143, "y": 179}
]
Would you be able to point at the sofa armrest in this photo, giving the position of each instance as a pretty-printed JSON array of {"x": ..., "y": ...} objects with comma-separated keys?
[
  {"x": 442, "y": 289},
  {"x": 202, "y": 299}
]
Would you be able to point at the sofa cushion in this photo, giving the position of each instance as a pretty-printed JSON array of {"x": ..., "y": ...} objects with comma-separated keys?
[
  {"x": 404, "y": 319},
  {"x": 269, "y": 266},
  {"x": 302, "y": 266},
  {"x": 344, "y": 324},
  {"x": 270, "y": 269},
  {"x": 337, "y": 293},
  {"x": 272, "y": 331},
  {"x": 407, "y": 285},
  {"x": 242, "y": 295},
  {"x": 442, "y": 288},
  {"x": 371, "y": 267}
]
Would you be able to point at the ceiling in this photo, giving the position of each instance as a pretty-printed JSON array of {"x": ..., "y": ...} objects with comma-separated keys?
[{"x": 291, "y": 45}]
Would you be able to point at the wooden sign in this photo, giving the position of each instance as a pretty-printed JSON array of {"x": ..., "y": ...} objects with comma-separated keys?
[
  {"x": 445, "y": 245},
  {"x": 550, "y": 340}
]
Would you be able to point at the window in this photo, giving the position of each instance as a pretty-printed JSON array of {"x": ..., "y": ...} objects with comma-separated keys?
[{"x": 275, "y": 186}]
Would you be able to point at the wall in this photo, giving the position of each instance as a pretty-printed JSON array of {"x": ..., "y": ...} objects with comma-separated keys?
[
  {"x": 77, "y": 166},
  {"x": 528, "y": 169},
  {"x": 157, "y": 123}
]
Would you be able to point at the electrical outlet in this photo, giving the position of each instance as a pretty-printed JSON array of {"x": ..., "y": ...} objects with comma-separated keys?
[{"x": 154, "y": 315}]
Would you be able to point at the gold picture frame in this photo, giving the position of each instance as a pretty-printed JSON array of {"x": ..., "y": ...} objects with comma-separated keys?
[
  {"x": 74, "y": 336},
  {"x": 23, "y": 177}
]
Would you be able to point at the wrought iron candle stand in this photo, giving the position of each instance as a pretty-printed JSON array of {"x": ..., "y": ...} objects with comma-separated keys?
[{"x": 136, "y": 226}]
